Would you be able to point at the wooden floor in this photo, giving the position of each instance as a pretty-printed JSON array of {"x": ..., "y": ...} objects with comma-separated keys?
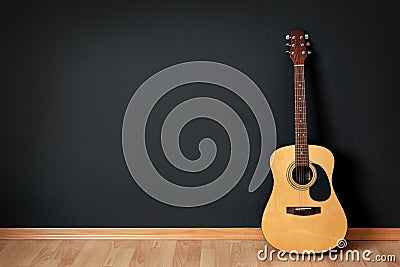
[{"x": 166, "y": 253}]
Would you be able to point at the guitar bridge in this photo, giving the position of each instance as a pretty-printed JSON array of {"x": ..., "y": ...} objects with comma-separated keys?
[{"x": 303, "y": 211}]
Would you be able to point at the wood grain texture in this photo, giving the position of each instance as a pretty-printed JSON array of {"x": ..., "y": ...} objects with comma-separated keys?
[
  {"x": 207, "y": 253},
  {"x": 171, "y": 233},
  {"x": 373, "y": 234},
  {"x": 131, "y": 233}
]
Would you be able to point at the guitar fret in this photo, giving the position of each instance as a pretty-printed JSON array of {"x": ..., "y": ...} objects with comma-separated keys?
[
  {"x": 300, "y": 122},
  {"x": 301, "y": 147}
]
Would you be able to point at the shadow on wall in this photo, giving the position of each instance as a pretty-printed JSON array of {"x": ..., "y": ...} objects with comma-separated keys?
[{"x": 346, "y": 170}]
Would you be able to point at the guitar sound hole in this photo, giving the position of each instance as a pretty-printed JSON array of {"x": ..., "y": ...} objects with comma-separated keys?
[{"x": 302, "y": 175}]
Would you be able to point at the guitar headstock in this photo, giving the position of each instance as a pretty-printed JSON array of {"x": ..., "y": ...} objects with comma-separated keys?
[{"x": 298, "y": 43}]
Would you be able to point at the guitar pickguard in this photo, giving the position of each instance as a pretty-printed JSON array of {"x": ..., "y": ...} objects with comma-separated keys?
[{"x": 321, "y": 189}]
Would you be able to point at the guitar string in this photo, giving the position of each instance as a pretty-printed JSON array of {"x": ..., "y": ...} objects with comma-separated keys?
[
  {"x": 302, "y": 168},
  {"x": 296, "y": 131},
  {"x": 304, "y": 118},
  {"x": 301, "y": 171},
  {"x": 305, "y": 139},
  {"x": 298, "y": 178},
  {"x": 295, "y": 107},
  {"x": 302, "y": 103},
  {"x": 299, "y": 134}
]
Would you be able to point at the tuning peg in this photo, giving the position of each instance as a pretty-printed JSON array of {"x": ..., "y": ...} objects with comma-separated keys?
[
  {"x": 287, "y": 44},
  {"x": 287, "y": 52},
  {"x": 287, "y": 37},
  {"x": 308, "y": 52},
  {"x": 306, "y": 36},
  {"x": 308, "y": 44}
]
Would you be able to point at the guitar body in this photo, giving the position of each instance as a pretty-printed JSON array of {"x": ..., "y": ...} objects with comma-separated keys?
[{"x": 287, "y": 231}]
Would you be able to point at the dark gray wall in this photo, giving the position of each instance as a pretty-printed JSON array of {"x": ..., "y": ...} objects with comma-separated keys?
[{"x": 68, "y": 71}]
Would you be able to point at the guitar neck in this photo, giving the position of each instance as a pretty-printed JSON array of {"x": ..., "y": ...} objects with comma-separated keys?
[{"x": 301, "y": 145}]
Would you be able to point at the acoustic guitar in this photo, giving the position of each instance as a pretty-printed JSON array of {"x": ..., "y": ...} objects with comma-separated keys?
[{"x": 303, "y": 212}]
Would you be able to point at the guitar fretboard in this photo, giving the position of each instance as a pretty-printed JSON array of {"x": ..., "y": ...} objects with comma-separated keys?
[{"x": 301, "y": 145}]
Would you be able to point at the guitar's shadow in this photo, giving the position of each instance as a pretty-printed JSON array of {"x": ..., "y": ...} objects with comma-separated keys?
[{"x": 346, "y": 169}]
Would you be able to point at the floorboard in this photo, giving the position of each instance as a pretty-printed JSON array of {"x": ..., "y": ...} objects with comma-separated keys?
[{"x": 206, "y": 253}]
